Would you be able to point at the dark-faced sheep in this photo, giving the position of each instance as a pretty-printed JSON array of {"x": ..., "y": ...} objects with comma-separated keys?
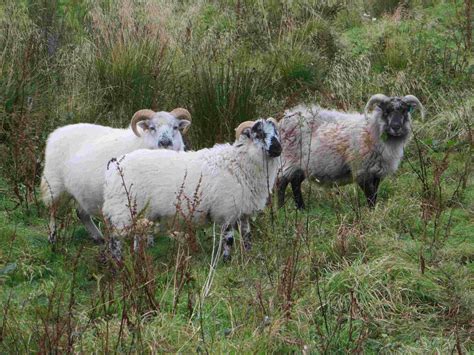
[{"x": 334, "y": 147}]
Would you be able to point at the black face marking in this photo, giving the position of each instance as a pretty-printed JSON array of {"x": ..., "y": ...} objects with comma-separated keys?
[
  {"x": 258, "y": 131},
  {"x": 395, "y": 115},
  {"x": 229, "y": 241},
  {"x": 265, "y": 137},
  {"x": 275, "y": 148}
]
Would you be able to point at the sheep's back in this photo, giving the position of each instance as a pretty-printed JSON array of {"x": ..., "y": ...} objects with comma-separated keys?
[
  {"x": 71, "y": 138},
  {"x": 327, "y": 145}
]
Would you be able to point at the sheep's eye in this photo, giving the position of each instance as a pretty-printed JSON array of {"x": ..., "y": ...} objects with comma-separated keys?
[
  {"x": 260, "y": 134},
  {"x": 151, "y": 128},
  {"x": 175, "y": 128}
]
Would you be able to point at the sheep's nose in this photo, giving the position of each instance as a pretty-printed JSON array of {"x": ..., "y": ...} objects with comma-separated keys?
[
  {"x": 275, "y": 148},
  {"x": 165, "y": 143}
]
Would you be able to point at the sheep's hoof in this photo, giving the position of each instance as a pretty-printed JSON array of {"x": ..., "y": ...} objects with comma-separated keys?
[
  {"x": 227, "y": 258},
  {"x": 115, "y": 249},
  {"x": 98, "y": 241},
  {"x": 102, "y": 257},
  {"x": 247, "y": 245},
  {"x": 300, "y": 206},
  {"x": 150, "y": 241}
]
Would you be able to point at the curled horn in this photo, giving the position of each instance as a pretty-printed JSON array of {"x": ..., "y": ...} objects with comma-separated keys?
[
  {"x": 375, "y": 99},
  {"x": 140, "y": 115},
  {"x": 242, "y": 126},
  {"x": 414, "y": 102},
  {"x": 182, "y": 114}
]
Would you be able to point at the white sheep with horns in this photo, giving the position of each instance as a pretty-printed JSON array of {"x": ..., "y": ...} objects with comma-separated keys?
[
  {"x": 232, "y": 182},
  {"x": 334, "y": 147},
  {"x": 76, "y": 158}
]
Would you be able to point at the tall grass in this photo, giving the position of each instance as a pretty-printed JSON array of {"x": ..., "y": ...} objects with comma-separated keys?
[
  {"x": 26, "y": 85},
  {"x": 130, "y": 58},
  {"x": 336, "y": 278},
  {"x": 223, "y": 95}
]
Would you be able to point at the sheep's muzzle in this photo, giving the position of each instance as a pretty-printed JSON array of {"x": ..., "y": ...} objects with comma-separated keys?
[{"x": 275, "y": 148}]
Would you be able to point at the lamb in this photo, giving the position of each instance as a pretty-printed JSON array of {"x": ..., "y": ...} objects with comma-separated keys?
[
  {"x": 76, "y": 157},
  {"x": 339, "y": 148},
  {"x": 232, "y": 182}
]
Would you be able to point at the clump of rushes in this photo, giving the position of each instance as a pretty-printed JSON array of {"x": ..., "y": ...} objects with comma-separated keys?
[
  {"x": 222, "y": 96},
  {"x": 131, "y": 57}
]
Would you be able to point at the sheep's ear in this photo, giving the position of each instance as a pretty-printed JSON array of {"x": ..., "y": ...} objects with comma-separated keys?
[
  {"x": 184, "y": 125},
  {"x": 412, "y": 106},
  {"x": 382, "y": 105},
  {"x": 145, "y": 125},
  {"x": 246, "y": 132}
]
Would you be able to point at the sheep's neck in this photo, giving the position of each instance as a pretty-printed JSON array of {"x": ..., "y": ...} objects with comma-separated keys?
[
  {"x": 256, "y": 173},
  {"x": 379, "y": 143}
]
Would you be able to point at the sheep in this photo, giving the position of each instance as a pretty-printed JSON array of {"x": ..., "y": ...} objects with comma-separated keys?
[
  {"x": 76, "y": 157},
  {"x": 232, "y": 182},
  {"x": 339, "y": 148}
]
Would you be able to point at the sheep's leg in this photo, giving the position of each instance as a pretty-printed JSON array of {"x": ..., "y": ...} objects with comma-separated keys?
[
  {"x": 48, "y": 197},
  {"x": 162, "y": 229},
  {"x": 136, "y": 244},
  {"x": 227, "y": 242},
  {"x": 370, "y": 187},
  {"x": 150, "y": 242},
  {"x": 91, "y": 228},
  {"x": 245, "y": 232},
  {"x": 53, "y": 230},
  {"x": 54, "y": 206},
  {"x": 296, "y": 180},
  {"x": 115, "y": 247},
  {"x": 281, "y": 187},
  {"x": 373, "y": 199}
]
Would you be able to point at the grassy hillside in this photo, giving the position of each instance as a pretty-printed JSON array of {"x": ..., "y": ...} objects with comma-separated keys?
[{"x": 337, "y": 277}]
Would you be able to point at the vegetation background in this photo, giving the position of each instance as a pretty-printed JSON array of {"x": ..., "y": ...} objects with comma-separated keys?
[{"x": 336, "y": 278}]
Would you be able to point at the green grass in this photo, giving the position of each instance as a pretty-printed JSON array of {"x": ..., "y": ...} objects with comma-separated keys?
[
  {"x": 336, "y": 278},
  {"x": 357, "y": 282}
]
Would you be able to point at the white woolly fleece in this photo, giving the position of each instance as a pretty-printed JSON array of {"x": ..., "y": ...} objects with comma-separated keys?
[
  {"x": 230, "y": 182},
  {"x": 76, "y": 158}
]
